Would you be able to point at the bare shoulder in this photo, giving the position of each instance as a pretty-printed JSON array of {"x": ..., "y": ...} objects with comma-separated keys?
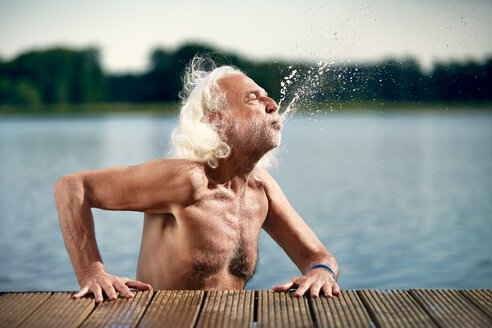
[
  {"x": 179, "y": 174},
  {"x": 281, "y": 214},
  {"x": 155, "y": 186},
  {"x": 167, "y": 183},
  {"x": 269, "y": 185},
  {"x": 174, "y": 168}
]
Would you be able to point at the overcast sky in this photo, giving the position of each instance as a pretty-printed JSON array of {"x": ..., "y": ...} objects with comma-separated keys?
[{"x": 330, "y": 30}]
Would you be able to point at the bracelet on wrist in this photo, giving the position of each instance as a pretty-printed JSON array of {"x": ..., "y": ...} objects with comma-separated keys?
[{"x": 323, "y": 266}]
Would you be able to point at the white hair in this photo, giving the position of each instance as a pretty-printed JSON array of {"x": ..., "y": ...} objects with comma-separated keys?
[{"x": 195, "y": 138}]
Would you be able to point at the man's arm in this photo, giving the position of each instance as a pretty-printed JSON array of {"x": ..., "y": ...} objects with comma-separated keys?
[
  {"x": 155, "y": 186},
  {"x": 300, "y": 243}
]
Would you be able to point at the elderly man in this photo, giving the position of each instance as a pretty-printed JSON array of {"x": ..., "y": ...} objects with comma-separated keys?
[{"x": 205, "y": 208}]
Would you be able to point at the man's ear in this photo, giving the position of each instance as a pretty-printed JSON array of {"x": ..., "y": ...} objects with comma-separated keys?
[{"x": 214, "y": 118}]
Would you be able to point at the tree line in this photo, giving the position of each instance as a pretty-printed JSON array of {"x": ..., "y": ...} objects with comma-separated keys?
[{"x": 61, "y": 76}]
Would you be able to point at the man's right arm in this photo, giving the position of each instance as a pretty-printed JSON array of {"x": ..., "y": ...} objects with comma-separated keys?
[{"x": 155, "y": 187}]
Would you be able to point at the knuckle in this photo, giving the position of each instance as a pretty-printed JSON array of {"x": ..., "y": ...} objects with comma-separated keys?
[
  {"x": 113, "y": 279},
  {"x": 108, "y": 289},
  {"x": 125, "y": 291},
  {"x": 103, "y": 285},
  {"x": 302, "y": 280},
  {"x": 121, "y": 286}
]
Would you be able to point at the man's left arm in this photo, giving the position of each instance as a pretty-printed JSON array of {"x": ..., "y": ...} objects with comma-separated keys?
[{"x": 300, "y": 243}]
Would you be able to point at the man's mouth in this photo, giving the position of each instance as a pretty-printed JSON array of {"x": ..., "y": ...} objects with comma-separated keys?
[{"x": 277, "y": 124}]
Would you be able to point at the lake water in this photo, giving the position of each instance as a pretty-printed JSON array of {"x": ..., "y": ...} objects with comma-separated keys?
[{"x": 402, "y": 200}]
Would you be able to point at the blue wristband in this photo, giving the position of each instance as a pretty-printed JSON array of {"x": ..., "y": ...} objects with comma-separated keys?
[{"x": 324, "y": 267}]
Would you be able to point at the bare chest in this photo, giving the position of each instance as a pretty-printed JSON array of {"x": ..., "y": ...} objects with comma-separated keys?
[{"x": 225, "y": 233}]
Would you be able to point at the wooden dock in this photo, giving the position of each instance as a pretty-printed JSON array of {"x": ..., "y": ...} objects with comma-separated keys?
[{"x": 363, "y": 308}]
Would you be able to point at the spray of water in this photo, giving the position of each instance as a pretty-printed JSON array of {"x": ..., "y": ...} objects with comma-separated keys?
[{"x": 302, "y": 87}]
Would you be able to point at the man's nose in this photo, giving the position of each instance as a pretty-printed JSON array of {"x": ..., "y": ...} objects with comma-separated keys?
[{"x": 271, "y": 106}]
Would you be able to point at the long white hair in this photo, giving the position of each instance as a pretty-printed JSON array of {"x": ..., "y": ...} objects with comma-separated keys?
[{"x": 195, "y": 138}]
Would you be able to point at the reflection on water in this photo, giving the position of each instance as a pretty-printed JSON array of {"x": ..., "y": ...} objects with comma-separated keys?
[{"x": 402, "y": 200}]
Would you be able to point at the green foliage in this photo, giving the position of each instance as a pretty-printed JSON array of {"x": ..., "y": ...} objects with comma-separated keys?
[
  {"x": 57, "y": 76},
  {"x": 90, "y": 109},
  {"x": 68, "y": 76},
  {"x": 163, "y": 81},
  {"x": 19, "y": 93}
]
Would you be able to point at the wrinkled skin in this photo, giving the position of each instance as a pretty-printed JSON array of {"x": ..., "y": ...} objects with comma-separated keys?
[{"x": 201, "y": 225}]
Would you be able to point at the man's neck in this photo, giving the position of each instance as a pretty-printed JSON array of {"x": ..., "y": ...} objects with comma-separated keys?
[{"x": 233, "y": 172}]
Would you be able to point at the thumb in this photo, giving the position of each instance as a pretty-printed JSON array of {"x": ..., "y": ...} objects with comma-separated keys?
[
  {"x": 138, "y": 285},
  {"x": 284, "y": 287},
  {"x": 81, "y": 292}
]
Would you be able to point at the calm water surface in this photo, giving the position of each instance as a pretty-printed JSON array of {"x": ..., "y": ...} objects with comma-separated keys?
[{"x": 402, "y": 200}]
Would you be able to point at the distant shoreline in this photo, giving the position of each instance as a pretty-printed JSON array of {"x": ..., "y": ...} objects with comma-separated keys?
[{"x": 171, "y": 108}]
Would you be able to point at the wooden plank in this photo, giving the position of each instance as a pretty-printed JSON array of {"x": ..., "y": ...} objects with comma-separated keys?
[
  {"x": 395, "y": 308},
  {"x": 283, "y": 310},
  {"x": 60, "y": 310},
  {"x": 122, "y": 312},
  {"x": 481, "y": 298},
  {"x": 387, "y": 308},
  {"x": 173, "y": 308},
  {"x": 450, "y": 309},
  {"x": 344, "y": 310},
  {"x": 228, "y": 308},
  {"x": 16, "y": 307}
]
